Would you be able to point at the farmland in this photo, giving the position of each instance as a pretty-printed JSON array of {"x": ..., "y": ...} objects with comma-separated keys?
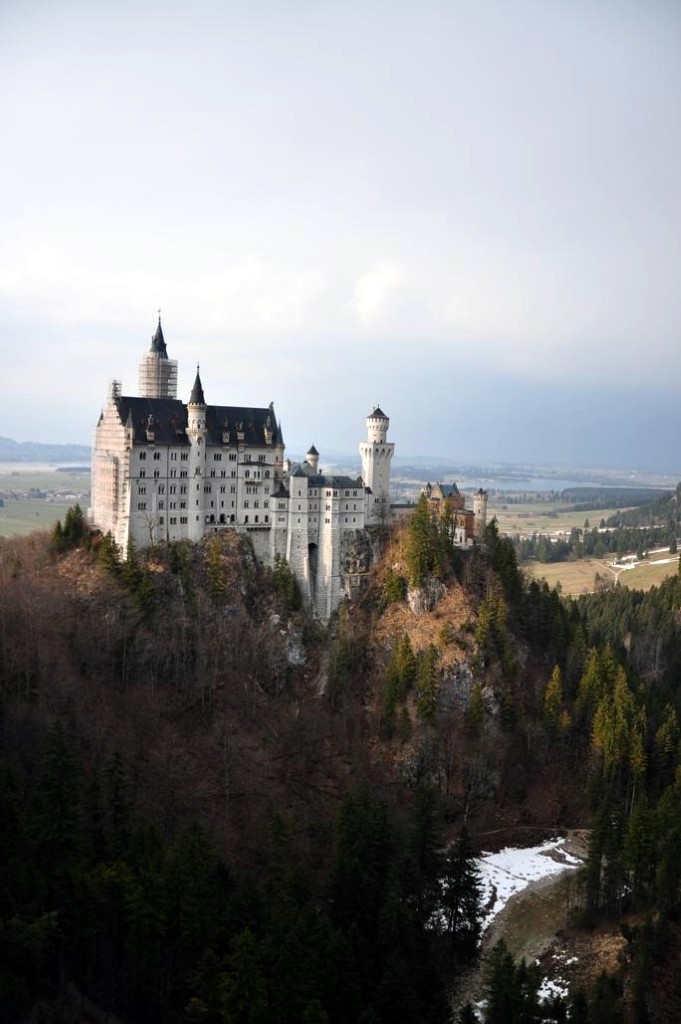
[
  {"x": 578, "y": 577},
  {"x": 35, "y": 498}
]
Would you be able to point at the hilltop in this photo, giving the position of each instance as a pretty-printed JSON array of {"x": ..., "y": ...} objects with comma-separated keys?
[{"x": 208, "y": 733}]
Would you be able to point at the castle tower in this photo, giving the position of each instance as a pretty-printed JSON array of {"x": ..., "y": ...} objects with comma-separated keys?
[
  {"x": 376, "y": 454},
  {"x": 312, "y": 459},
  {"x": 480, "y": 513},
  {"x": 196, "y": 432},
  {"x": 157, "y": 373}
]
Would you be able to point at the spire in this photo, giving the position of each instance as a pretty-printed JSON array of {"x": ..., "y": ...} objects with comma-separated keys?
[
  {"x": 196, "y": 397},
  {"x": 158, "y": 343}
]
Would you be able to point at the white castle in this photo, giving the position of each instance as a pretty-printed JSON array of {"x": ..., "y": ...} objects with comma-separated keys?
[{"x": 166, "y": 471}]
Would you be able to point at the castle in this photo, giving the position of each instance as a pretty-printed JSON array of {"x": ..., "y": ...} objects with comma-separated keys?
[{"x": 166, "y": 471}]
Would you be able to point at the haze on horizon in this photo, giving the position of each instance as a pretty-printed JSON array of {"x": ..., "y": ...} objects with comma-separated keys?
[{"x": 469, "y": 213}]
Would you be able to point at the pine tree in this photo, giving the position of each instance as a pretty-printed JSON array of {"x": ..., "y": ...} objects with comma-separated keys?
[{"x": 462, "y": 900}]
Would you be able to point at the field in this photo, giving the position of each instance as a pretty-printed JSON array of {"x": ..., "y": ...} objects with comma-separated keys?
[
  {"x": 22, "y": 514},
  {"x": 542, "y": 517},
  {"x": 578, "y": 577}
]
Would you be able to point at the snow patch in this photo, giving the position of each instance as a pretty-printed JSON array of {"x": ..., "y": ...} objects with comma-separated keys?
[{"x": 508, "y": 872}]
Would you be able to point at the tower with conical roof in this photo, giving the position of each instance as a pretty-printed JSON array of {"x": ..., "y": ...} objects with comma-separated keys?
[
  {"x": 157, "y": 373},
  {"x": 196, "y": 433},
  {"x": 376, "y": 454}
]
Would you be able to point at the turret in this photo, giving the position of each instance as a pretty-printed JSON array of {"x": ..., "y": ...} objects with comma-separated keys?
[
  {"x": 157, "y": 373},
  {"x": 196, "y": 434},
  {"x": 376, "y": 454},
  {"x": 312, "y": 459},
  {"x": 480, "y": 513}
]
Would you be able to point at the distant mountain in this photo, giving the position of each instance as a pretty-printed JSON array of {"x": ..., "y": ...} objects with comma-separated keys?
[{"x": 35, "y": 451}]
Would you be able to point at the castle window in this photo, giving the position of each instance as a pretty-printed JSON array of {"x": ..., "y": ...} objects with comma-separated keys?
[
  {"x": 160, "y": 504},
  {"x": 157, "y": 456},
  {"x": 157, "y": 473},
  {"x": 232, "y": 489},
  {"x": 173, "y": 456},
  {"x": 223, "y": 472},
  {"x": 161, "y": 488},
  {"x": 212, "y": 472},
  {"x": 246, "y": 504},
  {"x": 256, "y": 519},
  {"x": 233, "y": 473},
  {"x": 327, "y": 520},
  {"x": 217, "y": 457},
  {"x": 261, "y": 458},
  {"x": 183, "y": 472},
  {"x": 245, "y": 519},
  {"x": 141, "y": 506},
  {"x": 143, "y": 472},
  {"x": 161, "y": 520},
  {"x": 266, "y": 504},
  {"x": 173, "y": 504},
  {"x": 183, "y": 519},
  {"x": 143, "y": 489},
  {"x": 184, "y": 456},
  {"x": 267, "y": 519},
  {"x": 247, "y": 474},
  {"x": 223, "y": 489},
  {"x": 347, "y": 494},
  {"x": 232, "y": 457},
  {"x": 173, "y": 520},
  {"x": 256, "y": 504},
  {"x": 267, "y": 474},
  {"x": 183, "y": 504},
  {"x": 143, "y": 456}
]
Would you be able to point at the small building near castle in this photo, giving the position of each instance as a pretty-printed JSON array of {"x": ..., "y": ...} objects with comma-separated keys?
[
  {"x": 163, "y": 470},
  {"x": 467, "y": 525}
]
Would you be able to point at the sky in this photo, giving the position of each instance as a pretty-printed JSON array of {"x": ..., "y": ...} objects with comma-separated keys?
[{"x": 469, "y": 213}]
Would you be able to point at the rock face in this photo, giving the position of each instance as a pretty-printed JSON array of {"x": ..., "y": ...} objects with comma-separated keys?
[{"x": 424, "y": 598}]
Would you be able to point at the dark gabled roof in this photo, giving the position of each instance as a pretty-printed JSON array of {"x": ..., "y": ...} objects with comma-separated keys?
[
  {"x": 299, "y": 471},
  {"x": 158, "y": 343},
  {"x": 281, "y": 492},
  {"x": 335, "y": 481},
  {"x": 169, "y": 421},
  {"x": 377, "y": 414},
  {"x": 167, "y": 417},
  {"x": 312, "y": 451},
  {"x": 196, "y": 397},
  {"x": 449, "y": 490},
  {"x": 255, "y": 424}
]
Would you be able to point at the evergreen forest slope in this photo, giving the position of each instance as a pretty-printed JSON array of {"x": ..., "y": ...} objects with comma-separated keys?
[{"x": 219, "y": 810}]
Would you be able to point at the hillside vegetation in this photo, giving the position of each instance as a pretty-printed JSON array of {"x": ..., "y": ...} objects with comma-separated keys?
[{"x": 222, "y": 811}]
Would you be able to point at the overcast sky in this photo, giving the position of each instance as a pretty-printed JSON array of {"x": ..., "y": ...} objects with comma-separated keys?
[{"x": 469, "y": 212}]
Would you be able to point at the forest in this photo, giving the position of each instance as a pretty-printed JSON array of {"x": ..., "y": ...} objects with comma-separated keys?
[{"x": 215, "y": 809}]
